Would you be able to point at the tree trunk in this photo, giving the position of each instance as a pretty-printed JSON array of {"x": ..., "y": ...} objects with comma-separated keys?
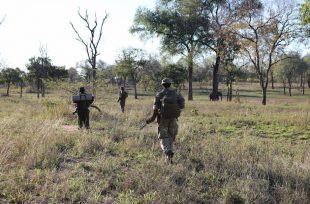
[
  {"x": 214, "y": 95},
  {"x": 290, "y": 87},
  {"x": 303, "y": 89},
  {"x": 94, "y": 80},
  {"x": 303, "y": 84},
  {"x": 190, "y": 77},
  {"x": 21, "y": 91},
  {"x": 135, "y": 88},
  {"x": 124, "y": 82},
  {"x": 228, "y": 92},
  {"x": 264, "y": 101},
  {"x": 43, "y": 89},
  {"x": 38, "y": 88},
  {"x": 230, "y": 89},
  {"x": 8, "y": 89},
  {"x": 284, "y": 89},
  {"x": 272, "y": 79}
]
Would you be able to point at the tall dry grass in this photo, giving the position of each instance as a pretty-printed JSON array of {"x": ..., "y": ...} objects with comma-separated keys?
[{"x": 224, "y": 153}]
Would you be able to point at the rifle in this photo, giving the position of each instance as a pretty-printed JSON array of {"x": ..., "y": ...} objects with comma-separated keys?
[
  {"x": 145, "y": 124},
  {"x": 151, "y": 119},
  {"x": 96, "y": 107},
  {"x": 93, "y": 106}
]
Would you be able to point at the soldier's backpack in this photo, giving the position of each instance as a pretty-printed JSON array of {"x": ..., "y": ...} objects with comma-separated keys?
[
  {"x": 83, "y": 101},
  {"x": 125, "y": 94},
  {"x": 82, "y": 97},
  {"x": 169, "y": 105}
]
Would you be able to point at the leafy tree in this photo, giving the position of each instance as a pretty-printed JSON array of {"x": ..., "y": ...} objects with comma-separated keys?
[
  {"x": 130, "y": 63},
  {"x": 288, "y": 69},
  {"x": 9, "y": 76},
  {"x": 181, "y": 27},
  {"x": 41, "y": 69},
  {"x": 151, "y": 73},
  {"x": 232, "y": 72},
  {"x": 86, "y": 70},
  {"x": 264, "y": 34},
  {"x": 306, "y": 59},
  {"x": 302, "y": 70},
  {"x": 91, "y": 45},
  {"x": 177, "y": 73},
  {"x": 202, "y": 73},
  {"x": 305, "y": 15},
  {"x": 222, "y": 15},
  {"x": 105, "y": 73},
  {"x": 22, "y": 78},
  {"x": 281, "y": 77},
  {"x": 73, "y": 75}
]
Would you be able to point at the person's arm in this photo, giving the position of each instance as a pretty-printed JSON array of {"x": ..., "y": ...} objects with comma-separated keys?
[
  {"x": 156, "y": 107},
  {"x": 153, "y": 117}
]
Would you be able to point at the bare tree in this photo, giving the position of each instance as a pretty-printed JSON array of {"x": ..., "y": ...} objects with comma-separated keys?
[
  {"x": 91, "y": 45},
  {"x": 43, "y": 58},
  {"x": 264, "y": 34},
  {"x": 2, "y": 20}
]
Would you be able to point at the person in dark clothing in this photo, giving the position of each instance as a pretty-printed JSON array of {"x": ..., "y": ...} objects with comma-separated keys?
[
  {"x": 82, "y": 108},
  {"x": 122, "y": 98}
]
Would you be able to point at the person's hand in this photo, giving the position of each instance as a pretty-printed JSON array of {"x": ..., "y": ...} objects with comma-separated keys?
[{"x": 149, "y": 120}]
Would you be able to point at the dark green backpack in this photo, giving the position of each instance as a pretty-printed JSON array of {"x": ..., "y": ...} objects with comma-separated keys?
[{"x": 169, "y": 105}]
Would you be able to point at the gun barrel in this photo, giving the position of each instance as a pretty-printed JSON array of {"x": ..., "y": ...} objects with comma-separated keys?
[{"x": 143, "y": 126}]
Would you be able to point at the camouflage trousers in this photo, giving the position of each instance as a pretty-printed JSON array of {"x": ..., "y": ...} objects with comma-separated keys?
[{"x": 167, "y": 131}]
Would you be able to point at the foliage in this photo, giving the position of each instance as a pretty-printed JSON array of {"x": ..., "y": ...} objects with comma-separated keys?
[
  {"x": 179, "y": 26},
  {"x": 10, "y": 76},
  {"x": 176, "y": 72},
  {"x": 130, "y": 64},
  {"x": 73, "y": 75},
  {"x": 291, "y": 67},
  {"x": 265, "y": 34},
  {"x": 42, "y": 68},
  {"x": 305, "y": 15}
]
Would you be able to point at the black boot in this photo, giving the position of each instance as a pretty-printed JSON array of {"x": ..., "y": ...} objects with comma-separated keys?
[{"x": 169, "y": 155}]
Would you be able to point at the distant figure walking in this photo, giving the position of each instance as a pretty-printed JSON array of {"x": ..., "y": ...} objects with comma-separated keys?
[
  {"x": 167, "y": 107},
  {"x": 122, "y": 98},
  {"x": 83, "y": 102}
]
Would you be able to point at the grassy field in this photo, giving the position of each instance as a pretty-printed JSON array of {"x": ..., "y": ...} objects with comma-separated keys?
[{"x": 225, "y": 152}]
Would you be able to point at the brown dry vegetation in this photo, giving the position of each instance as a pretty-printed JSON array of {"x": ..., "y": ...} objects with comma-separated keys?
[{"x": 238, "y": 152}]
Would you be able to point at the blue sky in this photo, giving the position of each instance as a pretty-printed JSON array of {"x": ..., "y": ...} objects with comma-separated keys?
[{"x": 31, "y": 23}]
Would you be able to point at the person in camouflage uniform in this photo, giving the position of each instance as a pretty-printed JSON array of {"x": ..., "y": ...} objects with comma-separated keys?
[
  {"x": 122, "y": 98},
  {"x": 167, "y": 124},
  {"x": 83, "y": 111}
]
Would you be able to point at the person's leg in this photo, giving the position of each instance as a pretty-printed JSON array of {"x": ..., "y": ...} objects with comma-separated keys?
[
  {"x": 165, "y": 137},
  {"x": 86, "y": 119},
  {"x": 80, "y": 119},
  {"x": 122, "y": 106}
]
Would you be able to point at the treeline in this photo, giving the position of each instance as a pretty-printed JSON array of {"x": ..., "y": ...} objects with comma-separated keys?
[
  {"x": 201, "y": 40},
  {"x": 135, "y": 67},
  {"x": 236, "y": 33},
  {"x": 40, "y": 70}
]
